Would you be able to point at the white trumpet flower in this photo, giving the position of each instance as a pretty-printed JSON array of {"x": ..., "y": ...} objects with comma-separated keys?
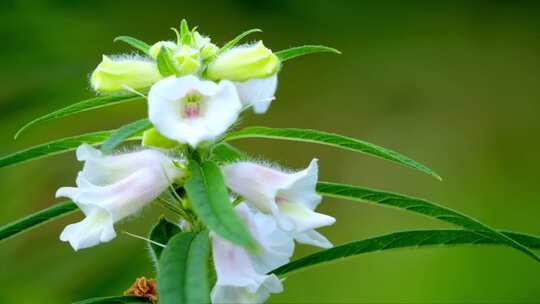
[
  {"x": 111, "y": 188},
  {"x": 258, "y": 93},
  {"x": 290, "y": 197},
  {"x": 241, "y": 277},
  {"x": 190, "y": 110}
]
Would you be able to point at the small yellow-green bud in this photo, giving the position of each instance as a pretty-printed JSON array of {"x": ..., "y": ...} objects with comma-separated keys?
[
  {"x": 119, "y": 74},
  {"x": 187, "y": 60},
  {"x": 152, "y": 138},
  {"x": 243, "y": 63},
  {"x": 156, "y": 47},
  {"x": 199, "y": 40},
  {"x": 205, "y": 47},
  {"x": 209, "y": 50}
]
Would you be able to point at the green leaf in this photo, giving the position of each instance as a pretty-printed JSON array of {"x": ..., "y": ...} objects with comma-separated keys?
[
  {"x": 237, "y": 39},
  {"x": 418, "y": 238},
  {"x": 52, "y": 148},
  {"x": 56, "y": 147},
  {"x": 164, "y": 62},
  {"x": 115, "y": 300},
  {"x": 298, "y": 51},
  {"x": 36, "y": 219},
  {"x": 226, "y": 153},
  {"x": 185, "y": 33},
  {"x": 209, "y": 198},
  {"x": 123, "y": 133},
  {"x": 419, "y": 206},
  {"x": 183, "y": 269},
  {"x": 82, "y": 106},
  {"x": 161, "y": 233},
  {"x": 329, "y": 139},
  {"x": 136, "y": 43}
]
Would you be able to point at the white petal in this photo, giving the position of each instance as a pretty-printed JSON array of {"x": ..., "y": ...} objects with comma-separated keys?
[
  {"x": 241, "y": 295},
  {"x": 219, "y": 107},
  {"x": 113, "y": 187},
  {"x": 276, "y": 245},
  {"x": 241, "y": 277},
  {"x": 233, "y": 266},
  {"x": 102, "y": 169},
  {"x": 301, "y": 187},
  {"x": 105, "y": 205},
  {"x": 124, "y": 197},
  {"x": 96, "y": 228},
  {"x": 257, "y": 184},
  {"x": 312, "y": 237},
  {"x": 290, "y": 197},
  {"x": 258, "y": 93},
  {"x": 304, "y": 219}
]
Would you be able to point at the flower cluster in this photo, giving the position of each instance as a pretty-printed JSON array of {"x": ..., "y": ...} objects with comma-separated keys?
[{"x": 196, "y": 92}]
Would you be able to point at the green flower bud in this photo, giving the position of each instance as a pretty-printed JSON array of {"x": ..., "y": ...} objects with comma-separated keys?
[
  {"x": 187, "y": 60},
  {"x": 154, "y": 49},
  {"x": 115, "y": 75},
  {"x": 205, "y": 47},
  {"x": 243, "y": 63},
  {"x": 199, "y": 41},
  {"x": 209, "y": 51},
  {"x": 152, "y": 138}
]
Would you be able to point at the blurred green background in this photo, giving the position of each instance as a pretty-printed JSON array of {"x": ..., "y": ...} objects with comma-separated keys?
[{"x": 453, "y": 84}]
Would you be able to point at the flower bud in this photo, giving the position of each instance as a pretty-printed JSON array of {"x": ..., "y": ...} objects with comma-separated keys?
[
  {"x": 243, "y": 63},
  {"x": 152, "y": 138},
  {"x": 154, "y": 49},
  {"x": 115, "y": 75},
  {"x": 199, "y": 40},
  {"x": 205, "y": 47},
  {"x": 187, "y": 60},
  {"x": 208, "y": 51}
]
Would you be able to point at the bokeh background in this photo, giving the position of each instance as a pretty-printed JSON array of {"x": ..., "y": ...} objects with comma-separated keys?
[{"x": 454, "y": 85}]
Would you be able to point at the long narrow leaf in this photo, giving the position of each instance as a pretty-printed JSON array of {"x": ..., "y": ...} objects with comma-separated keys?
[
  {"x": 291, "y": 53},
  {"x": 418, "y": 238},
  {"x": 209, "y": 198},
  {"x": 419, "y": 206},
  {"x": 83, "y": 106},
  {"x": 329, "y": 139},
  {"x": 183, "y": 269},
  {"x": 237, "y": 39},
  {"x": 56, "y": 147},
  {"x": 35, "y": 219},
  {"x": 123, "y": 133},
  {"x": 134, "y": 42},
  {"x": 115, "y": 300}
]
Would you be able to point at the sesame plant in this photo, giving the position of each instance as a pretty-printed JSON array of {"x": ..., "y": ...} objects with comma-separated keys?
[{"x": 230, "y": 222}]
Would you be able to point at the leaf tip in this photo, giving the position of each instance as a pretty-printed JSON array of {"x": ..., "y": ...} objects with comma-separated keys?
[{"x": 19, "y": 132}]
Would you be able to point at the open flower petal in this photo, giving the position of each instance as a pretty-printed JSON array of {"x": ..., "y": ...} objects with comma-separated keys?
[
  {"x": 96, "y": 228},
  {"x": 190, "y": 110},
  {"x": 111, "y": 188},
  {"x": 242, "y": 277},
  {"x": 312, "y": 237},
  {"x": 290, "y": 197},
  {"x": 258, "y": 93}
]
